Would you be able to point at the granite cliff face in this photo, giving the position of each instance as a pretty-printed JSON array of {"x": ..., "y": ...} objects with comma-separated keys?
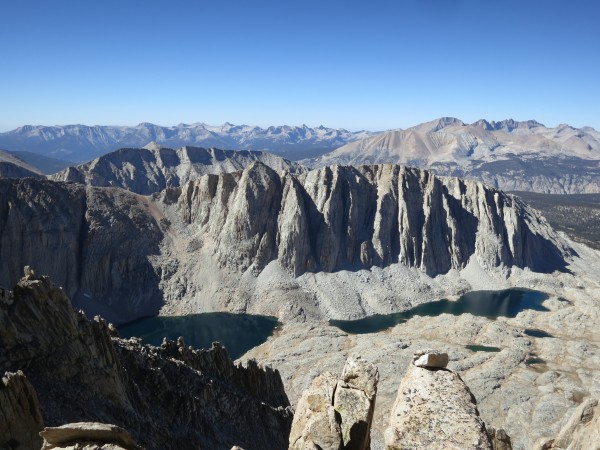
[
  {"x": 167, "y": 397},
  {"x": 96, "y": 243},
  {"x": 339, "y": 218},
  {"x": 152, "y": 169},
  {"x": 124, "y": 256}
]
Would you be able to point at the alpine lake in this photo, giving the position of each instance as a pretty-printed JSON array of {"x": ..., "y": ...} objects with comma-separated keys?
[
  {"x": 241, "y": 332},
  {"x": 237, "y": 332}
]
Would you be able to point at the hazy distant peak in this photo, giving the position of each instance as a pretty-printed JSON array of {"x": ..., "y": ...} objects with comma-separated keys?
[
  {"x": 509, "y": 154},
  {"x": 83, "y": 143},
  {"x": 437, "y": 124},
  {"x": 482, "y": 123},
  {"x": 508, "y": 125}
]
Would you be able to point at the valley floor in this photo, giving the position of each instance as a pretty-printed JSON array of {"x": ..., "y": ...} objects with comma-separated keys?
[{"x": 529, "y": 387}]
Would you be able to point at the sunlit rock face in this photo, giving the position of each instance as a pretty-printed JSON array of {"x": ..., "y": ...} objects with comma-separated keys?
[
  {"x": 349, "y": 218},
  {"x": 125, "y": 256}
]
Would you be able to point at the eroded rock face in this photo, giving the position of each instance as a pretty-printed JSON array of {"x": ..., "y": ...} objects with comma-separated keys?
[
  {"x": 581, "y": 432},
  {"x": 345, "y": 217},
  {"x": 88, "y": 435},
  {"x": 97, "y": 244},
  {"x": 20, "y": 417},
  {"x": 167, "y": 397},
  {"x": 435, "y": 409},
  {"x": 334, "y": 413},
  {"x": 499, "y": 439}
]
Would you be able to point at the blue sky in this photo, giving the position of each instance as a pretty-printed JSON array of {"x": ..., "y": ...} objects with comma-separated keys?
[{"x": 359, "y": 65}]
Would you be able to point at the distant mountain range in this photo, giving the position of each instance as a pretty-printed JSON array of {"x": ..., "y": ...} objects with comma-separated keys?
[
  {"x": 510, "y": 155},
  {"x": 80, "y": 143},
  {"x": 524, "y": 156}
]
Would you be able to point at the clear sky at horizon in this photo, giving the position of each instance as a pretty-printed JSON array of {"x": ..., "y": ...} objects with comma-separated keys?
[{"x": 359, "y": 65}]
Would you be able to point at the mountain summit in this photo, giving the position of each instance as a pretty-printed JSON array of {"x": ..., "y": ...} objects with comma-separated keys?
[{"x": 511, "y": 155}]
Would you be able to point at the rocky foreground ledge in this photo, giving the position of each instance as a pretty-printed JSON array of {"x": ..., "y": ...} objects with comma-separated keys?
[
  {"x": 60, "y": 368},
  {"x": 72, "y": 383}
]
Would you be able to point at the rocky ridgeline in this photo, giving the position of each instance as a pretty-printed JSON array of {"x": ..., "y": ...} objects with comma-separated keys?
[
  {"x": 434, "y": 409},
  {"x": 148, "y": 170},
  {"x": 12, "y": 170},
  {"x": 124, "y": 256},
  {"x": 349, "y": 218},
  {"x": 82, "y": 143},
  {"x": 166, "y": 397}
]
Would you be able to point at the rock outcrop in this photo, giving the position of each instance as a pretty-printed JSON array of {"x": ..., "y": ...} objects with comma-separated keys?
[
  {"x": 435, "y": 409},
  {"x": 167, "y": 397},
  {"x": 581, "y": 432},
  {"x": 429, "y": 359},
  {"x": 88, "y": 435},
  {"x": 148, "y": 170},
  {"x": 499, "y": 439},
  {"x": 336, "y": 414},
  {"x": 20, "y": 417}
]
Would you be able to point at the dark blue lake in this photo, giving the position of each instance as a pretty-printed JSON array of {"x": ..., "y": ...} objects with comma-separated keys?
[
  {"x": 533, "y": 332},
  {"x": 490, "y": 304},
  {"x": 482, "y": 348},
  {"x": 237, "y": 332}
]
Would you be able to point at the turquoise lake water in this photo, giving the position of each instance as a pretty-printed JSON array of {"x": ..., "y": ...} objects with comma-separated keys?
[
  {"x": 490, "y": 304},
  {"x": 237, "y": 332}
]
